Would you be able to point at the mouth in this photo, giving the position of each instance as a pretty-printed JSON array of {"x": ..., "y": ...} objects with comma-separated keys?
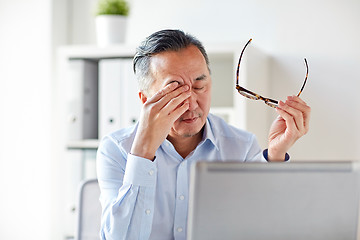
[{"x": 190, "y": 120}]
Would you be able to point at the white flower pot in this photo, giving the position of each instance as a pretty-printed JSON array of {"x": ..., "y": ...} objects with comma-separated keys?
[{"x": 110, "y": 29}]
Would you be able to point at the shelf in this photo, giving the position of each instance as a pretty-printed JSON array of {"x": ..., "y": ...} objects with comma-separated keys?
[
  {"x": 83, "y": 144},
  {"x": 91, "y": 52}
]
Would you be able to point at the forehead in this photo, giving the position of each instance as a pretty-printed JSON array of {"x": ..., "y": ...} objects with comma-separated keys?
[{"x": 185, "y": 63}]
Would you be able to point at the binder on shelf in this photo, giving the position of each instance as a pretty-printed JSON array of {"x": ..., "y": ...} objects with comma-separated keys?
[
  {"x": 110, "y": 75},
  {"x": 119, "y": 105},
  {"x": 82, "y": 100}
]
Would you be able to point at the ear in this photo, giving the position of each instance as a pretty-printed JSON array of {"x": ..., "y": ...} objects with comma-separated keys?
[{"x": 142, "y": 97}]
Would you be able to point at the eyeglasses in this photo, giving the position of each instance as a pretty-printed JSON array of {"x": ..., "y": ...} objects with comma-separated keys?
[{"x": 249, "y": 94}]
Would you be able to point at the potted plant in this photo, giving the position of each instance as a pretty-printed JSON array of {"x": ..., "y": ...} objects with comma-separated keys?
[{"x": 111, "y": 21}]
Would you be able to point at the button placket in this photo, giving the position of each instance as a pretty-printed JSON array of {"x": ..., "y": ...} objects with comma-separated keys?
[{"x": 181, "y": 205}]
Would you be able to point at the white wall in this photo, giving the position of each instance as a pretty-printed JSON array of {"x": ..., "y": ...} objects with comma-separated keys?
[
  {"x": 25, "y": 119},
  {"x": 326, "y": 32}
]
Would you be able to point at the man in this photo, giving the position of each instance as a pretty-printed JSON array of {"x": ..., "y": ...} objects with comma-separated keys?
[{"x": 143, "y": 170}]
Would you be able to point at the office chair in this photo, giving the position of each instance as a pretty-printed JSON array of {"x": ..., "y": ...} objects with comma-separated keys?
[{"x": 89, "y": 211}]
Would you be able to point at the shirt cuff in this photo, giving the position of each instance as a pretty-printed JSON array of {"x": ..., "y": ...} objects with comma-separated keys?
[
  {"x": 265, "y": 154},
  {"x": 140, "y": 171}
]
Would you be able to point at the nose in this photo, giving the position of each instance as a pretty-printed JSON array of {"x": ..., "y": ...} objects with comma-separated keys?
[{"x": 192, "y": 100}]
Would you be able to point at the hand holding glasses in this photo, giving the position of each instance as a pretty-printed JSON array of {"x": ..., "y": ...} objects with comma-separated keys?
[{"x": 249, "y": 94}]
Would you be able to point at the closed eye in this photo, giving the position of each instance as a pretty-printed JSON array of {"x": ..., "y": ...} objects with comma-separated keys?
[
  {"x": 198, "y": 88},
  {"x": 200, "y": 83}
]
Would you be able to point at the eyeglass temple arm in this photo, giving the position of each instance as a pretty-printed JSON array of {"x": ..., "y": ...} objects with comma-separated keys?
[
  {"x": 241, "y": 89},
  {"x": 306, "y": 77},
  {"x": 238, "y": 67}
]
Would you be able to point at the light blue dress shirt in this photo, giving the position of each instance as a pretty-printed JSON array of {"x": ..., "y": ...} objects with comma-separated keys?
[{"x": 142, "y": 199}]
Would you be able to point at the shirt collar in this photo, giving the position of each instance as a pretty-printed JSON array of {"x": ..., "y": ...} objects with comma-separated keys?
[{"x": 209, "y": 134}]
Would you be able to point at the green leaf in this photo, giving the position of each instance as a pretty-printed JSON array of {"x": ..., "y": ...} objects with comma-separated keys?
[{"x": 112, "y": 7}]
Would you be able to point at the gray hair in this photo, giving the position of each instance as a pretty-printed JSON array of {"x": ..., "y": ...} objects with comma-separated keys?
[{"x": 161, "y": 41}]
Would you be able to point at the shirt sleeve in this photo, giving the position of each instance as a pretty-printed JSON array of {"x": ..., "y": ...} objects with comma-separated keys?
[
  {"x": 265, "y": 154},
  {"x": 255, "y": 153},
  {"x": 127, "y": 185}
]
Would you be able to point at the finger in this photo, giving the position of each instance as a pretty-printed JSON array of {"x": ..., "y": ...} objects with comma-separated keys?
[
  {"x": 179, "y": 111},
  {"x": 296, "y": 99},
  {"x": 174, "y": 94},
  {"x": 159, "y": 106},
  {"x": 175, "y": 102},
  {"x": 298, "y": 103},
  {"x": 289, "y": 121},
  {"x": 296, "y": 114},
  {"x": 162, "y": 92}
]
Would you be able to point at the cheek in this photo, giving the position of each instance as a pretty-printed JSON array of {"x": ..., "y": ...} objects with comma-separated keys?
[{"x": 204, "y": 100}]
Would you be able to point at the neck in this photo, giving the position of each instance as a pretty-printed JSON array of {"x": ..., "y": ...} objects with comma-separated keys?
[{"x": 184, "y": 145}]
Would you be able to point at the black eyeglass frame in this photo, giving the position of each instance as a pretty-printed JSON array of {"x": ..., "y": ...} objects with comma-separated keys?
[{"x": 251, "y": 95}]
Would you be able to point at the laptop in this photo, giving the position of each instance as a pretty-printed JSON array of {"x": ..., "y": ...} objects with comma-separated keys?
[{"x": 266, "y": 201}]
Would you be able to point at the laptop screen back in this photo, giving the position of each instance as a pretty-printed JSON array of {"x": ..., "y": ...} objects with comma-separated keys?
[{"x": 273, "y": 201}]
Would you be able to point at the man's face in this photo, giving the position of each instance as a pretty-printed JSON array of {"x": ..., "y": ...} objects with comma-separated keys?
[{"x": 187, "y": 67}]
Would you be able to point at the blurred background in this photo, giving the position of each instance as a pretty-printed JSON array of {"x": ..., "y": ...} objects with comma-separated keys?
[{"x": 326, "y": 32}]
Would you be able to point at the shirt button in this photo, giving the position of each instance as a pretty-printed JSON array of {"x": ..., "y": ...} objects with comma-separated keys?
[
  {"x": 148, "y": 211},
  {"x": 179, "y": 229},
  {"x": 182, "y": 197},
  {"x": 151, "y": 172}
]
